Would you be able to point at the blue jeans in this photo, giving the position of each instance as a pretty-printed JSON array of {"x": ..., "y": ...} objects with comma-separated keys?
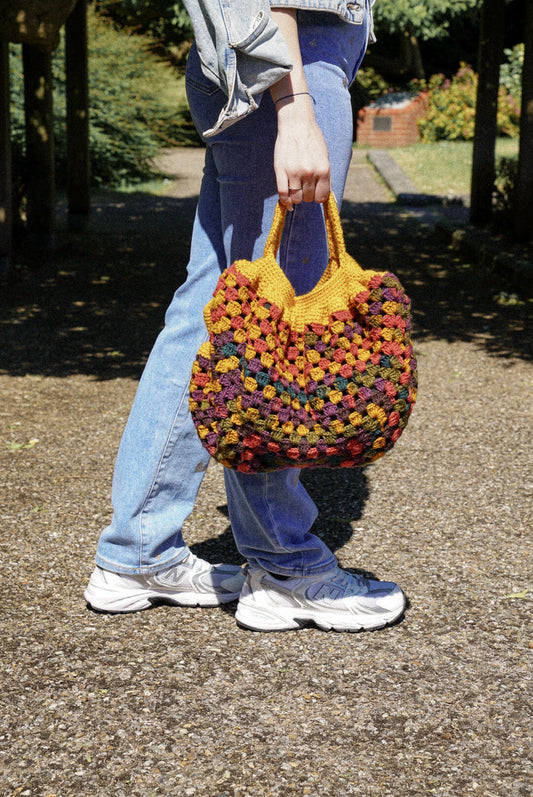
[{"x": 161, "y": 463}]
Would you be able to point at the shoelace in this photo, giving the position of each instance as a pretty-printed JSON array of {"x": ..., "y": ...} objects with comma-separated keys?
[{"x": 353, "y": 584}]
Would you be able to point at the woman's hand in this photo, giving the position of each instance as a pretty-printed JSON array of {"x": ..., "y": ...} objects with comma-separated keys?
[{"x": 301, "y": 160}]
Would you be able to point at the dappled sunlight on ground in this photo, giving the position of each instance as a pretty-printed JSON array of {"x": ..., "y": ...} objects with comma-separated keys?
[{"x": 95, "y": 305}]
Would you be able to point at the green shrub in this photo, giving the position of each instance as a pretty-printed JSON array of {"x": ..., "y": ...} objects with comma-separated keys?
[
  {"x": 452, "y": 108},
  {"x": 504, "y": 189},
  {"x": 166, "y": 22},
  {"x": 371, "y": 84},
  {"x": 136, "y": 106},
  {"x": 511, "y": 72},
  {"x": 508, "y": 114}
]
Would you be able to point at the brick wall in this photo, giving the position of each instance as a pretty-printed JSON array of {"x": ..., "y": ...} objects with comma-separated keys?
[{"x": 391, "y": 121}]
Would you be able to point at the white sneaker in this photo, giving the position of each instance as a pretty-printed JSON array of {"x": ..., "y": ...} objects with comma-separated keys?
[
  {"x": 192, "y": 582},
  {"x": 336, "y": 600}
]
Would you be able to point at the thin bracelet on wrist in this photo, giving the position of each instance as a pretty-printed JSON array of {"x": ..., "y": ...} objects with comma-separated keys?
[{"x": 288, "y": 96}]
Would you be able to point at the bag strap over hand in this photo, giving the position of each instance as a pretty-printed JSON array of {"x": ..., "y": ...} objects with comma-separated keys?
[{"x": 335, "y": 237}]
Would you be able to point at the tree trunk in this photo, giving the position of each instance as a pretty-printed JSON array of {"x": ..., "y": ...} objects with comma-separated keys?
[
  {"x": 491, "y": 37},
  {"x": 39, "y": 117},
  {"x": 524, "y": 187},
  {"x": 76, "y": 68},
  {"x": 6, "y": 218}
]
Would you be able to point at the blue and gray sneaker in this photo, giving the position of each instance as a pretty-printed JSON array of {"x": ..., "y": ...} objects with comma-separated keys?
[{"x": 336, "y": 600}]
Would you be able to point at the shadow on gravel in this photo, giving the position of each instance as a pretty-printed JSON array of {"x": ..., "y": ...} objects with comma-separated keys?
[{"x": 96, "y": 304}]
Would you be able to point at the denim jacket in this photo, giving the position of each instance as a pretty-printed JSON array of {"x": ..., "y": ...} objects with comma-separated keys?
[{"x": 242, "y": 50}]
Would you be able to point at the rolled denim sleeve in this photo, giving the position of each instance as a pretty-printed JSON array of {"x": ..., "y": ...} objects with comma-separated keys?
[{"x": 241, "y": 50}]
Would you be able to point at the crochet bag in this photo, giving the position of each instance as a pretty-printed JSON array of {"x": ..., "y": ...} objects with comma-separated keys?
[{"x": 326, "y": 379}]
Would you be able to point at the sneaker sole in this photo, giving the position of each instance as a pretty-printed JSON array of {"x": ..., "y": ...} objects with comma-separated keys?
[
  {"x": 255, "y": 619},
  {"x": 123, "y": 603}
]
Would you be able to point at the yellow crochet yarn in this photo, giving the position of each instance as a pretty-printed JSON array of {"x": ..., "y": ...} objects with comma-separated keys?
[{"x": 324, "y": 379}]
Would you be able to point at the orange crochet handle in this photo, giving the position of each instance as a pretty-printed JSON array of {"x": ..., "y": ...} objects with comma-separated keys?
[{"x": 333, "y": 230}]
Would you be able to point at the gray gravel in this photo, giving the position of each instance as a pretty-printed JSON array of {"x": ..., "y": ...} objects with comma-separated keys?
[{"x": 181, "y": 701}]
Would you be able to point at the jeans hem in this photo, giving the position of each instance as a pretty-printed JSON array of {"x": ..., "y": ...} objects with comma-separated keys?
[
  {"x": 139, "y": 570},
  {"x": 306, "y": 572}
]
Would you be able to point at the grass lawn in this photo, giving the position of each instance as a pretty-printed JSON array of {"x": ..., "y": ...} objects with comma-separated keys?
[{"x": 445, "y": 166}]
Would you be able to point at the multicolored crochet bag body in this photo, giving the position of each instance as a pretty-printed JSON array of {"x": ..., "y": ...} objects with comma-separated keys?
[{"x": 326, "y": 379}]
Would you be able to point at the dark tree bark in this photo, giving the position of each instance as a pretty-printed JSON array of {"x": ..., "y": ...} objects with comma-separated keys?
[
  {"x": 39, "y": 115},
  {"x": 76, "y": 68},
  {"x": 34, "y": 22},
  {"x": 524, "y": 186},
  {"x": 491, "y": 38}
]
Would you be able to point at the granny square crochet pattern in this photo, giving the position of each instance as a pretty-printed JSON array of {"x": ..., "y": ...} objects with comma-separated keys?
[{"x": 322, "y": 380}]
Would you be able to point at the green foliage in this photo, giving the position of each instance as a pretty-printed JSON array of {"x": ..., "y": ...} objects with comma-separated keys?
[
  {"x": 452, "y": 108},
  {"x": 166, "y": 21},
  {"x": 428, "y": 20},
  {"x": 511, "y": 72},
  {"x": 129, "y": 121},
  {"x": 504, "y": 189},
  {"x": 17, "y": 125},
  {"x": 371, "y": 84},
  {"x": 128, "y": 118}
]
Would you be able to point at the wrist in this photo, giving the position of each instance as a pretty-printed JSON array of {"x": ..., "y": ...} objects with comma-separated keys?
[
  {"x": 295, "y": 111},
  {"x": 291, "y": 109},
  {"x": 291, "y": 97}
]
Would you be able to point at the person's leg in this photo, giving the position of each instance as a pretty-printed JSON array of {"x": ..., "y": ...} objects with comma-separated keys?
[
  {"x": 160, "y": 463},
  {"x": 293, "y": 578},
  {"x": 141, "y": 556},
  {"x": 271, "y": 514}
]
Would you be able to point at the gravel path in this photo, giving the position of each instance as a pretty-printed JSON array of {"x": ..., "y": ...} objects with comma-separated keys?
[{"x": 181, "y": 701}]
